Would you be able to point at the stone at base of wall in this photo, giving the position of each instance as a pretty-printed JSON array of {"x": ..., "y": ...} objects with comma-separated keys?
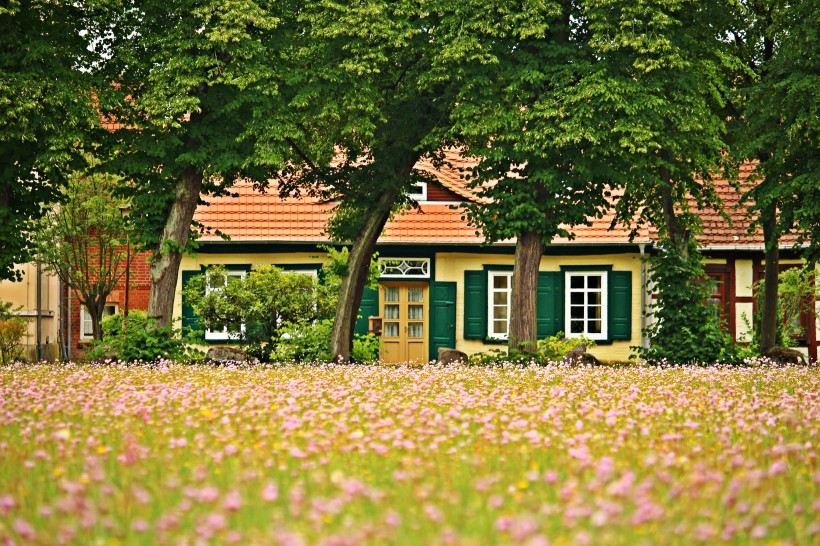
[
  {"x": 782, "y": 355},
  {"x": 221, "y": 354},
  {"x": 579, "y": 355},
  {"x": 450, "y": 356}
]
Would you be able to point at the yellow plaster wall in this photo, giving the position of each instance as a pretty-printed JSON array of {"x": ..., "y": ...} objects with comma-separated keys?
[
  {"x": 451, "y": 267},
  {"x": 744, "y": 277},
  {"x": 744, "y": 333},
  {"x": 24, "y": 294}
]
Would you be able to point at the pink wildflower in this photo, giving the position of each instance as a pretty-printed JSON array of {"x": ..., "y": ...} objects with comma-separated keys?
[
  {"x": 270, "y": 493},
  {"x": 392, "y": 518},
  {"x": 777, "y": 467},
  {"x": 6, "y": 503},
  {"x": 232, "y": 501},
  {"x": 24, "y": 529}
]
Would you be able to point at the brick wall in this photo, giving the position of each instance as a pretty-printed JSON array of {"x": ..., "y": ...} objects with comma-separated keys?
[{"x": 137, "y": 299}]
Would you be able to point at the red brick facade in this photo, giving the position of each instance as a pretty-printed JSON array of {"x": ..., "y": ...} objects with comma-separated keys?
[{"x": 140, "y": 286}]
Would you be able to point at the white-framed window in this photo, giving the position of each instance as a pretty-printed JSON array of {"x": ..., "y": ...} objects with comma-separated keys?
[
  {"x": 223, "y": 334},
  {"x": 418, "y": 191},
  {"x": 499, "y": 294},
  {"x": 586, "y": 304},
  {"x": 405, "y": 268},
  {"x": 86, "y": 327}
]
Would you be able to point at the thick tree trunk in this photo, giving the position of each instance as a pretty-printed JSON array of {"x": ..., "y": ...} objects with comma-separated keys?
[
  {"x": 168, "y": 254},
  {"x": 528, "y": 252},
  {"x": 352, "y": 288},
  {"x": 768, "y": 319}
]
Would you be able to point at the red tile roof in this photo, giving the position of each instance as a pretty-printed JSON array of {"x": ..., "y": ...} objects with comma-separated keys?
[{"x": 258, "y": 217}]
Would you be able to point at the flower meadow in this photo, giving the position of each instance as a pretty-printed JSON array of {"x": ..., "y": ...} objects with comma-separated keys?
[{"x": 350, "y": 455}]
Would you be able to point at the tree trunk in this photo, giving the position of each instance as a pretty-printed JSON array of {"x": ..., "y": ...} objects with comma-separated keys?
[
  {"x": 352, "y": 288},
  {"x": 528, "y": 252},
  {"x": 677, "y": 232},
  {"x": 168, "y": 254},
  {"x": 768, "y": 319}
]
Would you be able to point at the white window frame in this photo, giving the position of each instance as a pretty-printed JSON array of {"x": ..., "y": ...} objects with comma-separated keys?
[
  {"x": 224, "y": 335},
  {"x": 568, "y": 291},
  {"x": 491, "y": 291},
  {"x": 85, "y": 317},
  {"x": 425, "y": 268},
  {"x": 419, "y": 195}
]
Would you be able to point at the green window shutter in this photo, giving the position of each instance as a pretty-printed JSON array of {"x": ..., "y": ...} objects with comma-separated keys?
[
  {"x": 620, "y": 305},
  {"x": 442, "y": 317},
  {"x": 189, "y": 319},
  {"x": 368, "y": 308},
  {"x": 549, "y": 304},
  {"x": 475, "y": 304}
]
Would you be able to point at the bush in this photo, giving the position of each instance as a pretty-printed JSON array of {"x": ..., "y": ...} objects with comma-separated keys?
[
  {"x": 12, "y": 330},
  {"x": 548, "y": 350},
  {"x": 301, "y": 342},
  {"x": 136, "y": 343}
]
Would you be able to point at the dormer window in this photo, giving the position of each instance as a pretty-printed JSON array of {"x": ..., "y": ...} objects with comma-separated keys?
[{"x": 418, "y": 191}]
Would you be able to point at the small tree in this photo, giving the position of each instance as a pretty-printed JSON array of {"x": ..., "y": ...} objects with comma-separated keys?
[
  {"x": 253, "y": 308},
  {"x": 796, "y": 294},
  {"x": 12, "y": 330},
  {"x": 82, "y": 242},
  {"x": 257, "y": 308}
]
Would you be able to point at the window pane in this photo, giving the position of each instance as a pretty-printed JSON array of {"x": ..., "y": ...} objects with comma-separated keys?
[
  {"x": 576, "y": 327},
  {"x": 391, "y": 329},
  {"x": 594, "y": 281},
  {"x": 576, "y": 281},
  {"x": 500, "y": 282},
  {"x": 391, "y": 311},
  {"x": 415, "y": 294},
  {"x": 594, "y": 312},
  {"x": 576, "y": 312},
  {"x": 499, "y": 298},
  {"x": 500, "y": 312},
  {"x": 415, "y": 312},
  {"x": 594, "y": 298},
  {"x": 391, "y": 293},
  {"x": 88, "y": 327},
  {"x": 415, "y": 329},
  {"x": 576, "y": 298},
  {"x": 594, "y": 327},
  {"x": 500, "y": 327}
]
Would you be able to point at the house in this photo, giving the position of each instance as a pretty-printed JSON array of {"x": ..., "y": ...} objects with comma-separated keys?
[
  {"x": 64, "y": 330},
  {"x": 37, "y": 296},
  {"x": 441, "y": 286}
]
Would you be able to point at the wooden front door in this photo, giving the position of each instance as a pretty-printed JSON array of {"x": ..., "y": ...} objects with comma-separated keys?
[{"x": 404, "y": 309}]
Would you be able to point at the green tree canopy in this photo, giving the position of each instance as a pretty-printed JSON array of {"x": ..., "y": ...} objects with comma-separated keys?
[
  {"x": 777, "y": 122},
  {"x": 200, "y": 99},
  {"x": 384, "y": 78},
  {"x": 46, "y": 113}
]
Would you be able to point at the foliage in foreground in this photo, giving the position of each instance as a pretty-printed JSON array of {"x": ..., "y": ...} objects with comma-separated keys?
[
  {"x": 550, "y": 350},
  {"x": 684, "y": 329},
  {"x": 13, "y": 328},
  {"x": 324, "y": 455},
  {"x": 796, "y": 293},
  {"x": 136, "y": 343},
  {"x": 309, "y": 343}
]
